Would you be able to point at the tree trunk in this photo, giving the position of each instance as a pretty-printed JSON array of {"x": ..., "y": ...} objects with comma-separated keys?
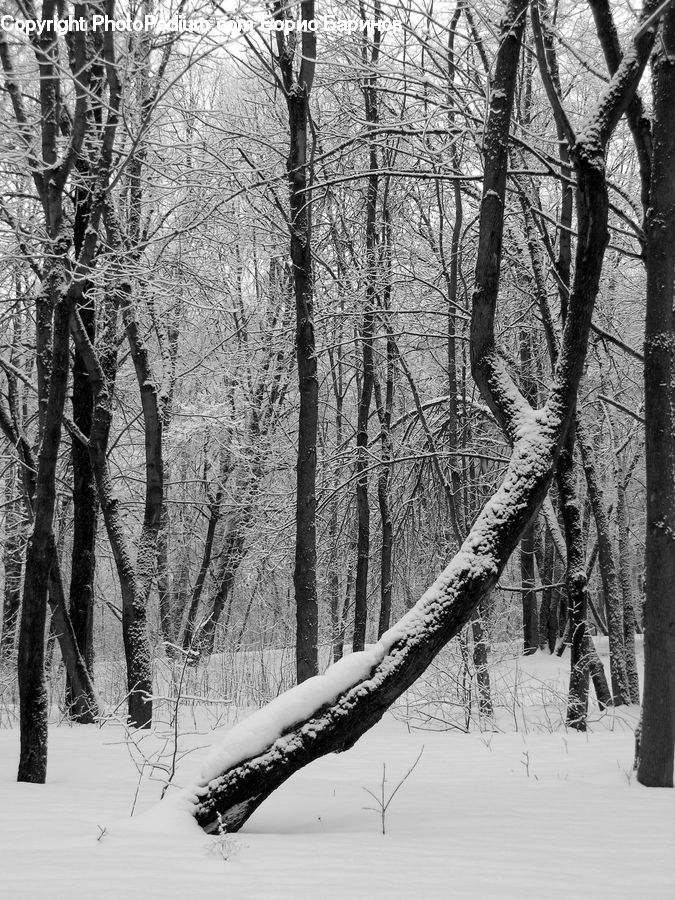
[
  {"x": 191, "y": 620},
  {"x": 232, "y": 555},
  {"x": 655, "y": 767},
  {"x": 85, "y": 522},
  {"x": 597, "y": 670},
  {"x": 625, "y": 574},
  {"x": 480, "y": 662},
  {"x": 33, "y": 699},
  {"x": 165, "y": 583},
  {"x": 528, "y": 592},
  {"x": 575, "y": 580},
  {"x": 134, "y": 633},
  {"x": 529, "y": 541},
  {"x": 610, "y": 582},
  {"x": 548, "y": 610},
  {"x": 304, "y": 574},
  {"x": 13, "y": 563}
]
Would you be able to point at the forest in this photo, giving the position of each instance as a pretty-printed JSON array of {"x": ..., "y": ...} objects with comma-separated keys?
[{"x": 337, "y": 410}]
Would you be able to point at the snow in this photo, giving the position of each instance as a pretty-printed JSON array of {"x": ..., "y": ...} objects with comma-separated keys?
[
  {"x": 537, "y": 811},
  {"x": 260, "y": 730}
]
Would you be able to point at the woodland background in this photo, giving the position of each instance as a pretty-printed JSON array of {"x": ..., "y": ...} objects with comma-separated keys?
[{"x": 237, "y": 279}]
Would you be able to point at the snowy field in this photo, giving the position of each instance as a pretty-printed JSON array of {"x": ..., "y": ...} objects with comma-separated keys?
[{"x": 529, "y": 810}]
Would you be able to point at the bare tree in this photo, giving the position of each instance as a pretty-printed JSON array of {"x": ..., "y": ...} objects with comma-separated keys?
[{"x": 658, "y": 711}]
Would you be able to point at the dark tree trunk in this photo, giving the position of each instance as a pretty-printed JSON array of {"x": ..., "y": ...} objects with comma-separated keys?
[
  {"x": 655, "y": 767},
  {"x": 191, "y": 620},
  {"x": 304, "y": 574},
  {"x": 13, "y": 563},
  {"x": 628, "y": 600},
  {"x": 548, "y": 610},
  {"x": 575, "y": 580},
  {"x": 608, "y": 572},
  {"x": 333, "y": 578},
  {"x": 165, "y": 583},
  {"x": 480, "y": 661},
  {"x": 528, "y": 591},
  {"x": 362, "y": 502},
  {"x": 597, "y": 670},
  {"x": 372, "y": 279},
  {"x": 386, "y": 518},
  {"x": 136, "y": 647},
  {"x": 85, "y": 522},
  {"x": 232, "y": 555},
  {"x": 529, "y": 541},
  {"x": 139, "y": 664},
  {"x": 33, "y": 697}
]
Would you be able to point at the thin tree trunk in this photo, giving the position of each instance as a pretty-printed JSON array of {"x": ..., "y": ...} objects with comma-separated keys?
[
  {"x": 597, "y": 671},
  {"x": 190, "y": 622},
  {"x": 13, "y": 563},
  {"x": 528, "y": 591},
  {"x": 480, "y": 662},
  {"x": 548, "y": 610},
  {"x": 85, "y": 521},
  {"x": 625, "y": 575},
  {"x": 610, "y": 582},
  {"x": 386, "y": 517},
  {"x": 232, "y": 555},
  {"x": 575, "y": 579},
  {"x": 33, "y": 699},
  {"x": 372, "y": 277},
  {"x": 304, "y": 575}
]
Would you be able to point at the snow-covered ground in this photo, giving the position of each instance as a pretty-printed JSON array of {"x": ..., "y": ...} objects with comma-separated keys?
[{"x": 533, "y": 812}]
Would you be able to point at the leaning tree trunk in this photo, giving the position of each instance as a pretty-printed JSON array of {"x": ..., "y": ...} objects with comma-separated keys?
[{"x": 655, "y": 767}]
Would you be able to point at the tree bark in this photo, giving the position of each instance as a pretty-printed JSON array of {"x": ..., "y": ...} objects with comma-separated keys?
[
  {"x": 85, "y": 497},
  {"x": 548, "y": 610},
  {"x": 655, "y": 767},
  {"x": 608, "y": 572},
  {"x": 528, "y": 592},
  {"x": 297, "y": 91},
  {"x": 13, "y": 563},
  {"x": 32, "y": 687},
  {"x": 626, "y": 578}
]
